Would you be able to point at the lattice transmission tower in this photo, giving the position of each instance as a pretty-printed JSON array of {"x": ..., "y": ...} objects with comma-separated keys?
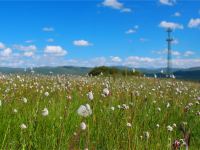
[{"x": 169, "y": 51}]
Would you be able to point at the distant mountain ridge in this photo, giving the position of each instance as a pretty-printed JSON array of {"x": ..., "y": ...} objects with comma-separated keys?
[{"x": 181, "y": 73}]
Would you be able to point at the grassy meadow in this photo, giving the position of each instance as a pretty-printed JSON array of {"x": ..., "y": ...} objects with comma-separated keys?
[{"x": 134, "y": 113}]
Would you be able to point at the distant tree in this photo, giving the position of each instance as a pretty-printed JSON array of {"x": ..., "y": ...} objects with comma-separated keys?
[{"x": 113, "y": 71}]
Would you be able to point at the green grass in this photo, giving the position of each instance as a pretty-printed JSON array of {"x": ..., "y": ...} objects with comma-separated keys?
[{"x": 106, "y": 128}]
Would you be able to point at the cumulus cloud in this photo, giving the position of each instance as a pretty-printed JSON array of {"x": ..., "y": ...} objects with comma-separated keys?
[
  {"x": 189, "y": 53},
  {"x": 177, "y": 14},
  {"x": 6, "y": 52},
  {"x": 147, "y": 62},
  {"x": 25, "y": 48},
  {"x": 132, "y": 30},
  {"x": 175, "y": 41},
  {"x": 2, "y": 46},
  {"x": 168, "y": 2},
  {"x": 194, "y": 23},
  {"x": 81, "y": 43},
  {"x": 29, "y": 41},
  {"x": 55, "y": 50},
  {"x": 115, "y": 59},
  {"x": 115, "y": 4},
  {"x": 164, "y": 52},
  {"x": 172, "y": 25},
  {"x": 28, "y": 54},
  {"x": 48, "y": 29}
]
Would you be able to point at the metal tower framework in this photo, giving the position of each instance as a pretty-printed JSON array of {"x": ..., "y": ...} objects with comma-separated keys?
[{"x": 169, "y": 52}]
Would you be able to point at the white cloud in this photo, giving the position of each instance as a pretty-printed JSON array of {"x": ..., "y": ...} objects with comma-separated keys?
[
  {"x": 6, "y": 52},
  {"x": 115, "y": 59},
  {"x": 177, "y": 14},
  {"x": 29, "y": 54},
  {"x": 189, "y": 53},
  {"x": 194, "y": 23},
  {"x": 175, "y": 41},
  {"x": 165, "y": 51},
  {"x": 168, "y": 2},
  {"x": 115, "y": 4},
  {"x": 176, "y": 53},
  {"x": 81, "y": 43},
  {"x": 55, "y": 50},
  {"x": 29, "y": 41},
  {"x": 132, "y": 30},
  {"x": 25, "y": 48},
  {"x": 2, "y": 46},
  {"x": 172, "y": 25},
  {"x": 48, "y": 29}
]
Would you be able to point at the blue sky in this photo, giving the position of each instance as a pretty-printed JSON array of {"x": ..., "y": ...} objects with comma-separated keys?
[{"x": 103, "y": 32}]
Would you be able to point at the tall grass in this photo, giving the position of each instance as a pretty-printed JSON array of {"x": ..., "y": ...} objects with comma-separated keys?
[{"x": 142, "y": 102}]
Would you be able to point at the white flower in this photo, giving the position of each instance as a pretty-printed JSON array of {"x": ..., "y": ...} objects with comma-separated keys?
[
  {"x": 24, "y": 100},
  {"x": 15, "y": 110},
  {"x": 174, "y": 125},
  {"x": 168, "y": 105},
  {"x": 106, "y": 91},
  {"x": 23, "y": 126},
  {"x": 84, "y": 110},
  {"x": 159, "y": 109},
  {"x": 83, "y": 126},
  {"x": 157, "y": 125},
  {"x": 46, "y": 93},
  {"x": 128, "y": 124},
  {"x": 90, "y": 95},
  {"x": 119, "y": 106},
  {"x": 45, "y": 112},
  {"x": 112, "y": 108},
  {"x": 146, "y": 135},
  {"x": 169, "y": 128}
]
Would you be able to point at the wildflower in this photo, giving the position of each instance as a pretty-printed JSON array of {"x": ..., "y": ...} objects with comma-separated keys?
[
  {"x": 124, "y": 106},
  {"x": 169, "y": 128},
  {"x": 190, "y": 104},
  {"x": 90, "y": 95},
  {"x": 112, "y": 108},
  {"x": 46, "y": 93},
  {"x": 24, "y": 100},
  {"x": 84, "y": 110},
  {"x": 69, "y": 97},
  {"x": 176, "y": 144},
  {"x": 168, "y": 105},
  {"x": 106, "y": 91},
  {"x": 146, "y": 135},
  {"x": 159, "y": 109},
  {"x": 75, "y": 133},
  {"x": 15, "y": 110},
  {"x": 23, "y": 126},
  {"x": 157, "y": 125},
  {"x": 174, "y": 125},
  {"x": 128, "y": 124},
  {"x": 45, "y": 112},
  {"x": 119, "y": 106},
  {"x": 83, "y": 126}
]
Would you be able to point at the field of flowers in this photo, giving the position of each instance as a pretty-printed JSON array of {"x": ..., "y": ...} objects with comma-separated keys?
[{"x": 105, "y": 113}]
